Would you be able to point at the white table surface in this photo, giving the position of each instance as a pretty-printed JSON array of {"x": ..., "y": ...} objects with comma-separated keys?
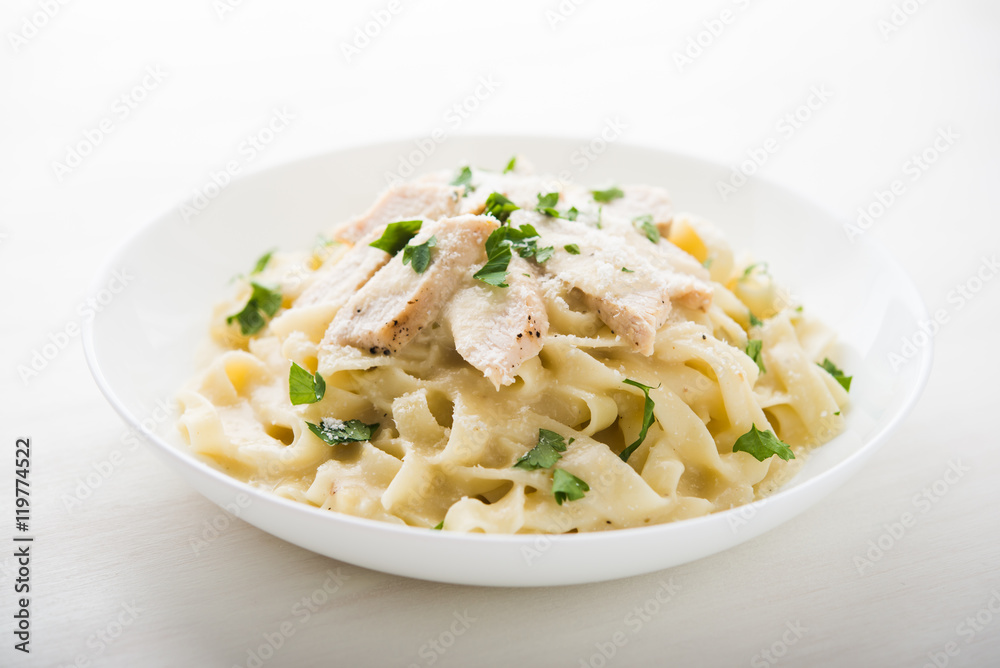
[{"x": 121, "y": 563}]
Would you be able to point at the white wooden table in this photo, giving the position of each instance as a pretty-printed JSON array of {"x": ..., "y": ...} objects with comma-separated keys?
[{"x": 127, "y": 569}]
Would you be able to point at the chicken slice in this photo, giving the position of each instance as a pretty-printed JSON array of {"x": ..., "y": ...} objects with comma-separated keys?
[
  {"x": 497, "y": 330},
  {"x": 335, "y": 283},
  {"x": 618, "y": 218},
  {"x": 403, "y": 201},
  {"x": 521, "y": 189},
  {"x": 626, "y": 291},
  {"x": 640, "y": 200},
  {"x": 392, "y": 307},
  {"x": 690, "y": 285}
]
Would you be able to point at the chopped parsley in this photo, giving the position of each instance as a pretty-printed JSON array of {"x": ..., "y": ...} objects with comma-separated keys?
[
  {"x": 762, "y": 445},
  {"x": 419, "y": 256},
  {"x": 499, "y": 247},
  {"x": 397, "y": 235},
  {"x": 524, "y": 240},
  {"x": 628, "y": 271},
  {"x": 303, "y": 388},
  {"x": 754, "y": 352},
  {"x": 831, "y": 368},
  {"x": 263, "y": 304},
  {"x": 545, "y": 453},
  {"x": 754, "y": 320},
  {"x": 647, "y": 418},
  {"x": 500, "y": 207},
  {"x": 761, "y": 266},
  {"x": 262, "y": 262},
  {"x": 572, "y": 249},
  {"x": 439, "y": 526},
  {"x": 335, "y": 432},
  {"x": 708, "y": 262},
  {"x": 645, "y": 223},
  {"x": 464, "y": 178},
  {"x": 498, "y": 255},
  {"x": 567, "y": 487},
  {"x": 546, "y": 204},
  {"x": 608, "y": 195},
  {"x": 511, "y": 165}
]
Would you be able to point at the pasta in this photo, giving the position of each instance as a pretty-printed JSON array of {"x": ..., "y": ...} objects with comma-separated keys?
[{"x": 506, "y": 353}]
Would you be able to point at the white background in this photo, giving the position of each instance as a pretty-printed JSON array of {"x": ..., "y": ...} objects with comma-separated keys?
[{"x": 129, "y": 543}]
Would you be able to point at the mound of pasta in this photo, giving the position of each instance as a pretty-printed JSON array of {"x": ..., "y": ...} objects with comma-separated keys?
[{"x": 501, "y": 352}]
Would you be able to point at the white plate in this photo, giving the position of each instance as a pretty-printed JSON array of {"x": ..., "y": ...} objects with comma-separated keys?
[{"x": 141, "y": 347}]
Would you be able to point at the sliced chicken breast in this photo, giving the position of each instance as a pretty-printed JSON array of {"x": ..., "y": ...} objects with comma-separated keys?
[
  {"x": 336, "y": 283},
  {"x": 624, "y": 289},
  {"x": 497, "y": 330},
  {"x": 392, "y": 307},
  {"x": 403, "y": 201}
]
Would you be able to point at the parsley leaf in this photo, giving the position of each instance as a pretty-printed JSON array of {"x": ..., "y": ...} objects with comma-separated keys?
[
  {"x": 831, "y": 368},
  {"x": 762, "y": 445},
  {"x": 645, "y": 223},
  {"x": 500, "y": 207},
  {"x": 419, "y": 256},
  {"x": 523, "y": 239},
  {"x": 464, "y": 178},
  {"x": 754, "y": 352},
  {"x": 547, "y": 203},
  {"x": 545, "y": 453},
  {"x": 439, "y": 526},
  {"x": 572, "y": 249},
  {"x": 397, "y": 235},
  {"x": 755, "y": 321},
  {"x": 510, "y": 165},
  {"x": 262, "y": 262},
  {"x": 567, "y": 487},
  {"x": 497, "y": 258},
  {"x": 607, "y": 195},
  {"x": 761, "y": 266},
  {"x": 647, "y": 418},
  {"x": 334, "y": 432},
  {"x": 263, "y": 302},
  {"x": 303, "y": 388},
  {"x": 498, "y": 252},
  {"x": 628, "y": 271}
]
